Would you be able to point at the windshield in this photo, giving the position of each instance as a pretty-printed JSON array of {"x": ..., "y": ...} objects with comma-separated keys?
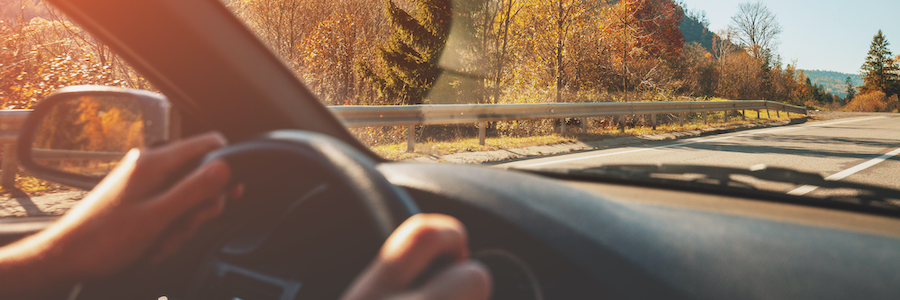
[
  {"x": 636, "y": 88},
  {"x": 744, "y": 96}
]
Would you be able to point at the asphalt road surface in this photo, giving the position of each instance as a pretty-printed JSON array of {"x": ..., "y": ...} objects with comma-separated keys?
[{"x": 860, "y": 148}]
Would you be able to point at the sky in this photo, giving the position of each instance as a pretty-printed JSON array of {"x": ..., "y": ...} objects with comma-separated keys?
[{"x": 832, "y": 35}]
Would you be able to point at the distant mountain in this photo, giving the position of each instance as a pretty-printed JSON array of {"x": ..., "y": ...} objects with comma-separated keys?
[
  {"x": 833, "y": 82},
  {"x": 695, "y": 29}
]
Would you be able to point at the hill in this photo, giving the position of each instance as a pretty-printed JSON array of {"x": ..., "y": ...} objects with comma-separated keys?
[
  {"x": 695, "y": 29},
  {"x": 833, "y": 82}
]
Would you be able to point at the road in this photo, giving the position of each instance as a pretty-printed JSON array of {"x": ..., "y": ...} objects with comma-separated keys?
[{"x": 860, "y": 148}]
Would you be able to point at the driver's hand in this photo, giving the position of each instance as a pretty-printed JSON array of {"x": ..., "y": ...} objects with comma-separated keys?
[
  {"x": 410, "y": 250},
  {"x": 116, "y": 224}
]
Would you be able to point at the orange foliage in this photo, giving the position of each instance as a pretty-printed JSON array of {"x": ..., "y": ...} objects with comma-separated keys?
[{"x": 875, "y": 101}]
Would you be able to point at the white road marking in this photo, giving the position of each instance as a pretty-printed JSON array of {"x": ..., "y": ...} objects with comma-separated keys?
[
  {"x": 802, "y": 190},
  {"x": 806, "y": 189},
  {"x": 690, "y": 143}
]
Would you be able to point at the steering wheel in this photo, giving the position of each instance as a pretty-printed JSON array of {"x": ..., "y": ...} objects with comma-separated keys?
[{"x": 294, "y": 182}]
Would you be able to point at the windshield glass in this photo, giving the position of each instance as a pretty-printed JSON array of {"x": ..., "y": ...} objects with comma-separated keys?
[
  {"x": 589, "y": 75},
  {"x": 639, "y": 88},
  {"x": 729, "y": 94}
]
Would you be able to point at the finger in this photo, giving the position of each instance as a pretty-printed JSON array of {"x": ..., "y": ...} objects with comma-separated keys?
[
  {"x": 469, "y": 280},
  {"x": 187, "y": 228},
  {"x": 156, "y": 165},
  {"x": 206, "y": 213},
  {"x": 236, "y": 192},
  {"x": 204, "y": 183},
  {"x": 415, "y": 244}
]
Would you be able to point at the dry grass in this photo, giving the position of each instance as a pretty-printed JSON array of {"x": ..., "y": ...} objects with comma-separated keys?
[
  {"x": 397, "y": 151},
  {"x": 438, "y": 148},
  {"x": 32, "y": 186}
]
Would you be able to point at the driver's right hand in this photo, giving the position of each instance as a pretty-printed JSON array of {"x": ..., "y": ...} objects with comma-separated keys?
[{"x": 410, "y": 251}]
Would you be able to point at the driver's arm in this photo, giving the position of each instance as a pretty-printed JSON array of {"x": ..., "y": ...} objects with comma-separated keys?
[{"x": 125, "y": 215}]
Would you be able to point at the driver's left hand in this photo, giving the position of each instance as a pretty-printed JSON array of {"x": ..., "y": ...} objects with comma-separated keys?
[{"x": 116, "y": 224}]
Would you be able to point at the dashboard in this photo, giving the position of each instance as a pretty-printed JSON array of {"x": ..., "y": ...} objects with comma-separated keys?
[{"x": 617, "y": 241}]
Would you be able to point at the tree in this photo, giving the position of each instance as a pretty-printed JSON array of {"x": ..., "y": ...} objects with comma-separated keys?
[
  {"x": 851, "y": 91},
  {"x": 649, "y": 36},
  {"x": 409, "y": 58},
  {"x": 880, "y": 72},
  {"x": 756, "y": 29}
]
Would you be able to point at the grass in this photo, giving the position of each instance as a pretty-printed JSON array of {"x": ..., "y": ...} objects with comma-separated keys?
[
  {"x": 32, "y": 186},
  {"x": 398, "y": 151},
  {"x": 438, "y": 148}
]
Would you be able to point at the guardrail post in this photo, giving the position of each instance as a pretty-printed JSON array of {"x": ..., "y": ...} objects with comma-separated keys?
[
  {"x": 562, "y": 126},
  {"x": 768, "y": 114},
  {"x": 681, "y": 120},
  {"x": 410, "y": 138},
  {"x": 10, "y": 166},
  {"x": 705, "y": 117},
  {"x": 757, "y": 114},
  {"x": 778, "y": 113},
  {"x": 653, "y": 121},
  {"x": 481, "y": 129},
  {"x": 584, "y": 125},
  {"x": 622, "y": 123},
  {"x": 743, "y": 115}
]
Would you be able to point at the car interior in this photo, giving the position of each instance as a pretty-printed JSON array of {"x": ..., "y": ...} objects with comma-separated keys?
[{"x": 319, "y": 203}]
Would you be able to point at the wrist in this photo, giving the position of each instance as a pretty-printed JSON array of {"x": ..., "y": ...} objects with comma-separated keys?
[{"x": 31, "y": 268}]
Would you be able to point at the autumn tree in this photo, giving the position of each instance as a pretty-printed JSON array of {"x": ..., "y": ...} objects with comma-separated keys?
[
  {"x": 880, "y": 72},
  {"x": 42, "y": 51},
  {"x": 409, "y": 58},
  {"x": 756, "y": 29},
  {"x": 647, "y": 37}
]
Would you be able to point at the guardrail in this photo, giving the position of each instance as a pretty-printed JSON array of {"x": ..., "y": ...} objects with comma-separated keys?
[{"x": 413, "y": 115}]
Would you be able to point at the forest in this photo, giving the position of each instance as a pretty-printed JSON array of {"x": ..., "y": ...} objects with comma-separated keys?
[{"x": 390, "y": 52}]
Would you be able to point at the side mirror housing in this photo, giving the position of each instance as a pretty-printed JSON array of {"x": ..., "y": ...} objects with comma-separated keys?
[{"x": 78, "y": 134}]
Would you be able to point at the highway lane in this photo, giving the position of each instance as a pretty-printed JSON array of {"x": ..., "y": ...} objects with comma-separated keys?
[{"x": 861, "y": 148}]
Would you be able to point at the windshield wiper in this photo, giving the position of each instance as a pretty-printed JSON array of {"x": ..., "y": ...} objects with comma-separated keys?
[{"x": 726, "y": 180}]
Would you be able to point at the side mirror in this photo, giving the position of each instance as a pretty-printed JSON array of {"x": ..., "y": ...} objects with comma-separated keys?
[{"x": 78, "y": 134}]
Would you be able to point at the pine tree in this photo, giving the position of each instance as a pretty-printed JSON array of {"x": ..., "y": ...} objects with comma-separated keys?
[
  {"x": 880, "y": 73},
  {"x": 408, "y": 59},
  {"x": 851, "y": 91}
]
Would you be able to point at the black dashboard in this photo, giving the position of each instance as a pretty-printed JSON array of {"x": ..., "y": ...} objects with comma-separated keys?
[{"x": 585, "y": 240}]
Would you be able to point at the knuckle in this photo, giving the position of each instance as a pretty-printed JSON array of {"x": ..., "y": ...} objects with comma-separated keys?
[
  {"x": 144, "y": 163},
  {"x": 479, "y": 276},
  {"x": 431, "y": 233}
]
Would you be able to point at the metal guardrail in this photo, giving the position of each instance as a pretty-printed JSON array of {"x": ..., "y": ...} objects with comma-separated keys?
[
  {"x": 402, "y": 115},
  {"x": 412, "y": 115},
  {"x": 10, "y": 122}
]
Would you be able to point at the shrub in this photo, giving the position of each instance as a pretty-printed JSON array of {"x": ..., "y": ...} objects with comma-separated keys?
[{"x": 875, "y": 101}]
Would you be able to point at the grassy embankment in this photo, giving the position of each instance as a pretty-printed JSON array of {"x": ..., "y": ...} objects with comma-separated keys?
[{"x": 397, "y": 151}]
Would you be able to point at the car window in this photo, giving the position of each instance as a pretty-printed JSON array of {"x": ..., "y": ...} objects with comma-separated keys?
[{"x": 41, "y": 52}]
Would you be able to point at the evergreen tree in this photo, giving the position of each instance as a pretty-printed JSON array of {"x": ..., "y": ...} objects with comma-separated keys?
[
  {"x": 851, "y": 91},
  {"x": 408, "y": 59},
  {"x": 880, "y": 73}
]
